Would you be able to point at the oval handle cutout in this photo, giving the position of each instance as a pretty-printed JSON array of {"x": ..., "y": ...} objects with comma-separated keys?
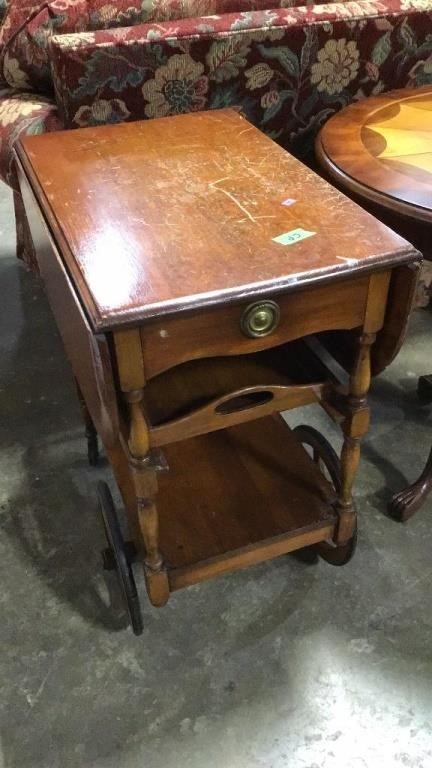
[{"x": 242, "y": 402}]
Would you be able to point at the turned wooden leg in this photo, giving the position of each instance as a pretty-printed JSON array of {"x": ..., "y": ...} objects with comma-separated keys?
[
  {"x": 143, "y": 464},
  {"x": 350, "y": 457},
  {"x": 355, "y": 425},
  {"x": 145, "y": 483},
  {"x": 90, "y": 430}
]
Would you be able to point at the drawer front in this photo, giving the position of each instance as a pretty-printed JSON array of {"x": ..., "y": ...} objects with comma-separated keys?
[{"x": 235, "y": 329}]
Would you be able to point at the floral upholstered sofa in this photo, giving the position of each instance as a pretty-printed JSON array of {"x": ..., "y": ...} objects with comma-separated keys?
[{"x": 288, "y": 67}]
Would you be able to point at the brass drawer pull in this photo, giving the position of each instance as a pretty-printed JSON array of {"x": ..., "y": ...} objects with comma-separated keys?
[{"x": 260, "y": 319}]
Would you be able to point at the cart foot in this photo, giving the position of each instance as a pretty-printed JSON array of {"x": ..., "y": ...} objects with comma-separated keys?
[
  {"x": 119, "y": 556},
  {"x": 328, "y": 462},
  {"x": 338, "y": 555}
]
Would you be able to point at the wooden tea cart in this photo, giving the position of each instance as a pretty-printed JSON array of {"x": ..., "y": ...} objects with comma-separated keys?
[{"x": 203, "y": 281}]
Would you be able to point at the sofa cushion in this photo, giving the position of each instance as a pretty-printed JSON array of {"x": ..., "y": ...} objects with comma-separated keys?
[
  {"x": 22, "y": 113},
  {"x": 288, "y": 70},
  {"x": 124, "y": 13},
  {"x": 28, "y": 27}
]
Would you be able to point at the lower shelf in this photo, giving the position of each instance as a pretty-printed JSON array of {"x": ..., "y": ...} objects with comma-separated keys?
[{"x": 237, "y": 497}]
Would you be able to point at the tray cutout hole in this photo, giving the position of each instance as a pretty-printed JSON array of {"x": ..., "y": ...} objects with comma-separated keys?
[{"x": 243, "y": 402}]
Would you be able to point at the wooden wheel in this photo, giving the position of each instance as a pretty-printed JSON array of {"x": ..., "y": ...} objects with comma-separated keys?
[
  {"x": 322, "y": 454},
  {"x": 119, "y": 556}
]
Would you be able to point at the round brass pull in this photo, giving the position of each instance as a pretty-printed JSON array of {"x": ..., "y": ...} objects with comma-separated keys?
[{"x": 260, "y": 319}]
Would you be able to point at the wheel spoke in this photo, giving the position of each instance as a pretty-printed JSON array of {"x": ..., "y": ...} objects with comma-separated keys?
[{"x": 120, "y": 555}]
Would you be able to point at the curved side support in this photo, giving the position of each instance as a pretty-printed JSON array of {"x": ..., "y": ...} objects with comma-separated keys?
[{"x": 142, "y": 464}]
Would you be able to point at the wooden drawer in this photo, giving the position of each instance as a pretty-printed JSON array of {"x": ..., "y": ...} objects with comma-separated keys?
[{"x": 218, "y": 331}]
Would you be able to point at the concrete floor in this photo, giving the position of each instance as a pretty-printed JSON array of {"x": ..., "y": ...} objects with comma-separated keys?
[{"x": 282, "y": 665}]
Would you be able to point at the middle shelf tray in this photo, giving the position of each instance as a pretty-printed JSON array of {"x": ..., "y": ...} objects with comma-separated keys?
[{"x": 214, "y": 393}]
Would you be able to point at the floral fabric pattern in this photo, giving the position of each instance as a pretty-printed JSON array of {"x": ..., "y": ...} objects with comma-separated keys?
[
  {"x": 123, "y": 13},
  {"x": 337, "y": 64},
  {"x": 20, "y": 114},
  {"x": 3, "y": 9},
  {"x": 29, "y": 26},
  {"x": 102, "y": 112},
  {"x": 13, "y": 73},
  {"x": 177, "y": 87},
  {"x": 287, "y": 64},
  {"x": 26, "y": 32},
  {"x": 287, "y": 69}
]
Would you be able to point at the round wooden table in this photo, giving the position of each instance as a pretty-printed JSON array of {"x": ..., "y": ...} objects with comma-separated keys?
[{"x": 379, "y": 151}]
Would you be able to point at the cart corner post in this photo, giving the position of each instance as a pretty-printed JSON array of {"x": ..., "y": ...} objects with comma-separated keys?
[
  {"x": 143, "y": 469},
  {"x": 354, "y": 426},
  {"x": 356, "y": 418}
]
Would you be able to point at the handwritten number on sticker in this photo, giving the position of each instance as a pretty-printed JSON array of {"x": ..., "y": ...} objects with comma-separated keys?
[{"x": 294, "y": 236}]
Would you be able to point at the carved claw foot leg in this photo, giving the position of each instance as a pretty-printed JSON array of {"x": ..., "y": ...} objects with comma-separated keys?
[{"x": 403, "y": 504}]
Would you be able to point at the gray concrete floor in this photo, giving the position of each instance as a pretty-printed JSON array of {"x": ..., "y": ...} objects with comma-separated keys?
[{"x": 285, "y": 664}]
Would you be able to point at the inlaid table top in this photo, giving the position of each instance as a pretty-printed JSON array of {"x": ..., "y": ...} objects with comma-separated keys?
[
  {"x": 381, "y": 148},
  {"x": 160, "y": 216}
]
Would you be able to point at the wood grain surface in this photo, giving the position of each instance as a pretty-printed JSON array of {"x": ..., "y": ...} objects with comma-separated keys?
[
  {"x": 260, "y": 487},
  {"x": 88, "y": 353},
  {"x": 165, "y": 215},
  {"x": 381, "y": 149},
  {"x": 217, "y": 331}
]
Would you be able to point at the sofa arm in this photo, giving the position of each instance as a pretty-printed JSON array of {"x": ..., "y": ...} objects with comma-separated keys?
[{"x": 287, "y": 69}]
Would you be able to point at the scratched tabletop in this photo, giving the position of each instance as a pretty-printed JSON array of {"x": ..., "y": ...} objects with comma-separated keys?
[{"x": 161, "y": 216}]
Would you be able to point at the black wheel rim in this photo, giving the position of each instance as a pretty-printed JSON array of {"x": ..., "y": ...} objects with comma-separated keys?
[
  {"x": 322, "y": 453},
  {"x": 122, "y": 561}
]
